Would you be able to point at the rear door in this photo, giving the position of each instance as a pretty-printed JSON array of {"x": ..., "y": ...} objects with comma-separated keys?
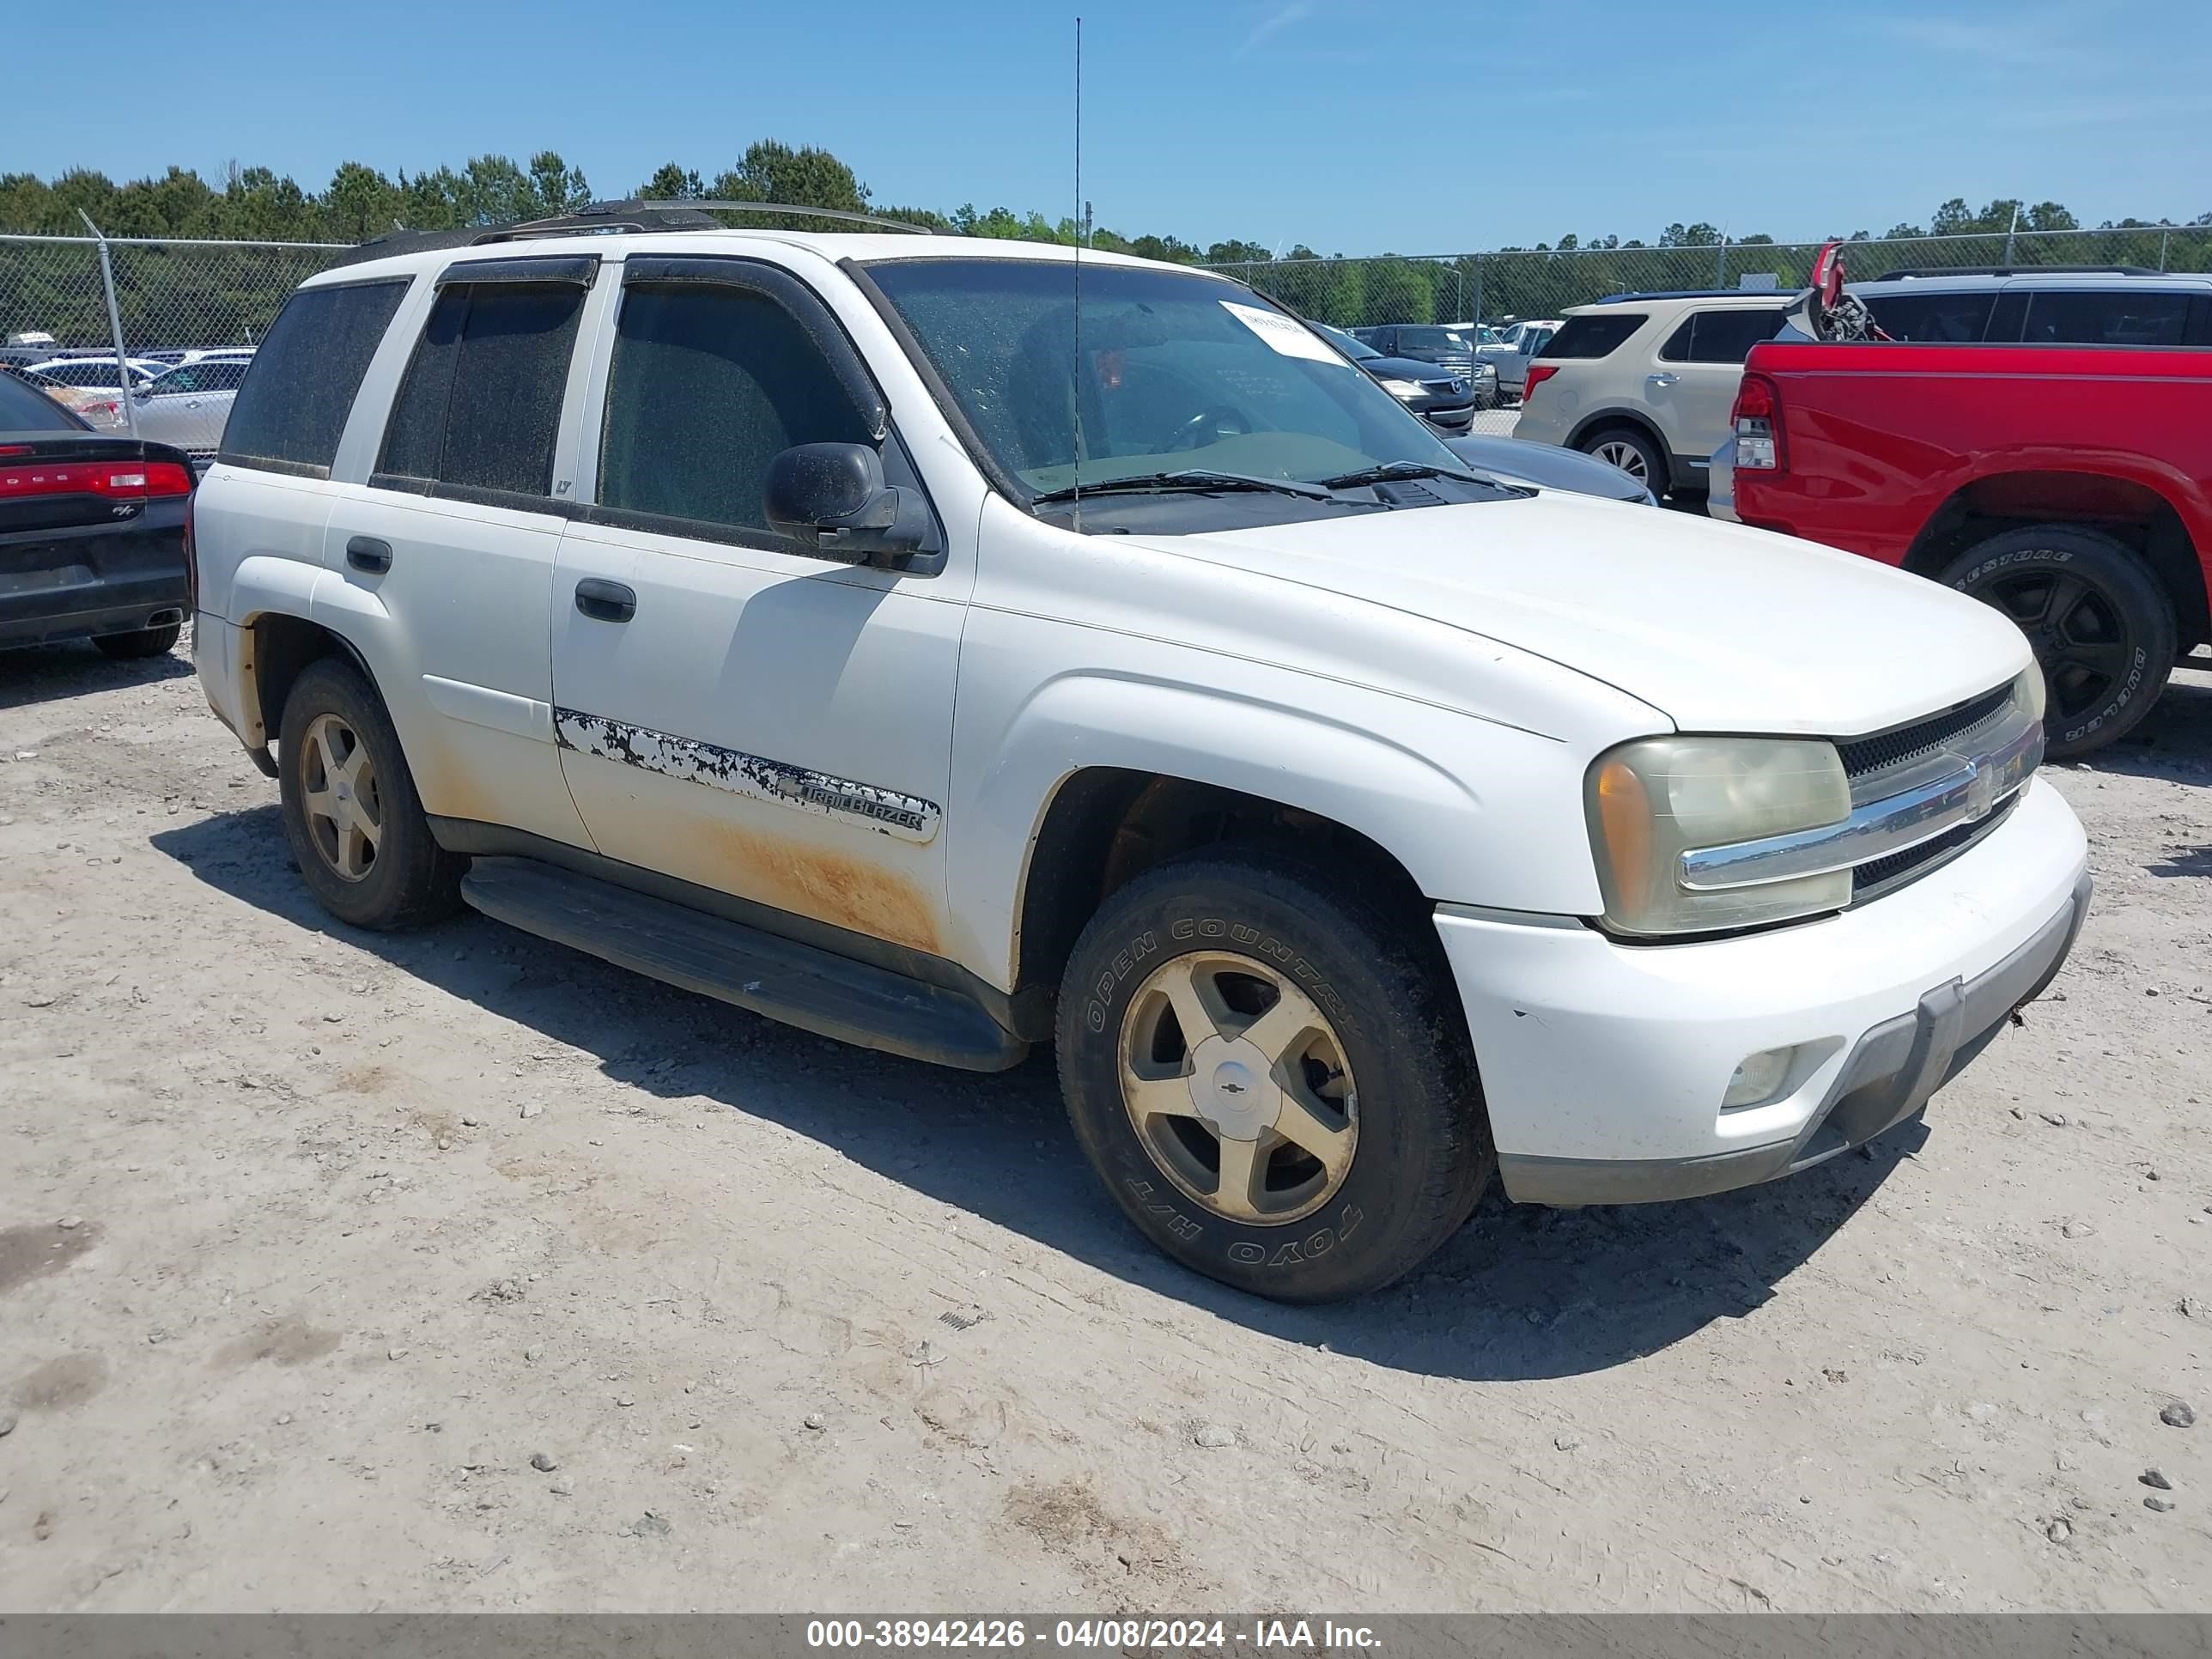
[
  {"x": 443, "y": 554},
  {"x": 732, "y": 711},
  {"x": 1692, "y": 386}
]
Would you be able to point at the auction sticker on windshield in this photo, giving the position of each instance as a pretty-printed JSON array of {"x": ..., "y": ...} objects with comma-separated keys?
[{"x": 1287, "y": 334}]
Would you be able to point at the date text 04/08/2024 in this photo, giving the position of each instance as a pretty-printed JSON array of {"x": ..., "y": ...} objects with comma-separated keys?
[{"x": 1217, "y": 1635}]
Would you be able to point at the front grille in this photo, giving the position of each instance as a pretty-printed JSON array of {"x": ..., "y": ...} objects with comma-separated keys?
[
  {"x": 1904, "y": 744},
  {"x": 1878, "y": 876}
]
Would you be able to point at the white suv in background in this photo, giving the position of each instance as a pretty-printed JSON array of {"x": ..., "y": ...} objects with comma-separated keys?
[
  {"x": 1646, "y": 380},
  {"x": 1354, "y": 825}
]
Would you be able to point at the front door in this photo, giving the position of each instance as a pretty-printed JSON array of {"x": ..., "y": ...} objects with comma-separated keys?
[{"x": 731, "y": 711}]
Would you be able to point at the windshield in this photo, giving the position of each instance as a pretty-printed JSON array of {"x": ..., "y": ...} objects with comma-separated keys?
[
  {"x": 1174, "y": 372},
  {"x": 1431, "y": 339}
]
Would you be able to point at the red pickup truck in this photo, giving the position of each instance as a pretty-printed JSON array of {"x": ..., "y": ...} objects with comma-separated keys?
[{"x": 2071, "y": 487}]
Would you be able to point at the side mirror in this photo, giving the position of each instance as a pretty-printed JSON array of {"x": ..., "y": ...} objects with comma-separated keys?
[{"x": 832, "y": 499}]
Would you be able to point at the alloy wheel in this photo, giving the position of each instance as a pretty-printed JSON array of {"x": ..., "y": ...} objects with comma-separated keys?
[
  {"x": 1238, "y": 1087},
  {"x": 343, "y": 810}
]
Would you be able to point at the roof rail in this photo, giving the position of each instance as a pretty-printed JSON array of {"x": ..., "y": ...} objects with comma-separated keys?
[
  {"x": 1925, "y": 271},
  {"x": 613, "y": 218},
  {"x": 1694, "y": 293}
]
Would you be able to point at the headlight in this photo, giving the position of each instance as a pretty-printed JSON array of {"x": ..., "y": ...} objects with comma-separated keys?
[
  {"x": 1407, "y": 389},
  {"x": 2027, "y": 691},
  {"x": 1652, "y": 800}
]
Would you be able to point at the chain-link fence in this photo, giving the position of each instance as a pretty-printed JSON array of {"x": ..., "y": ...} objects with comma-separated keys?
[
  {"x": 174, "y": 295},
  {"x": 169, "y": 297},
  {"x": 1492, "y": 287}
]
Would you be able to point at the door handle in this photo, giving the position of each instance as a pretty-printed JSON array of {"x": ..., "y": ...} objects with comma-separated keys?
[
  {"x": 368, "y": 553},
  {"x": 1659, "y": 380},
  {"x": 605, "y": 601}
]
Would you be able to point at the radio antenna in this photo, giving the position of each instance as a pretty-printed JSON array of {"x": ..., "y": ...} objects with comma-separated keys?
[{"x": 1075, "y": 378}]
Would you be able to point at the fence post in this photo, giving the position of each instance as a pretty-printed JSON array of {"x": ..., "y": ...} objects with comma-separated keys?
[
  {"x": 2162, "y": 236},
  {"x": 1475, "y": 315},
  {"x": 114, "y": 326},
  {"x": 1720, "y": 276}
]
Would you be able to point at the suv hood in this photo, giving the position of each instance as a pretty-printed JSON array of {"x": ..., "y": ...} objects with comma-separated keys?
[{"x": 1720, "y": 627}]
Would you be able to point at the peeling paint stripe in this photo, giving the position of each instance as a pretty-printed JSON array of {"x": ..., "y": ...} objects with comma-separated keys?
[{"x": 909, "y": 817}]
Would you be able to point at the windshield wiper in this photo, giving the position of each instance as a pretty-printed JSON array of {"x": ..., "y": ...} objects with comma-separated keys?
[
  {"x": 1192, "y": 479},
  {"x": 1390, "y": 471}
]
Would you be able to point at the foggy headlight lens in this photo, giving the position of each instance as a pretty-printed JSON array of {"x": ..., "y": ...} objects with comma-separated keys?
[
  {"x": 1408, "y": 390},
  {"x": 2027, "y": 691},
  {"x": 1654, "y": 800}
]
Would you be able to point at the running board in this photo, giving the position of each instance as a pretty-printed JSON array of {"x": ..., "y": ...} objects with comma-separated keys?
[{"x": 797, "y": 984}]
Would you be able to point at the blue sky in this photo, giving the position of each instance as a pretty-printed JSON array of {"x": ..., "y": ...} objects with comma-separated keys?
[{"x": 1354, "y": 126}]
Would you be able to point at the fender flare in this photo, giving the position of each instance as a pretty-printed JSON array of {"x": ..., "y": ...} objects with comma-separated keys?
[{"x": 1431, "y": 820}]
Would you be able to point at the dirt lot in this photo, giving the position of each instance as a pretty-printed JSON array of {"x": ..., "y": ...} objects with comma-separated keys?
[{"x": 310, "y": 1241}]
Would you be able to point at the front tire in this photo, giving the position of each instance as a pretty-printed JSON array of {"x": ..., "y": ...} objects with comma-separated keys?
[
  {"x": 140, "y": 642},
  {"x": 1269, "y": 1069},
  {"x": 351, "y": 814},
  {"x": 2100, "y": 626}
]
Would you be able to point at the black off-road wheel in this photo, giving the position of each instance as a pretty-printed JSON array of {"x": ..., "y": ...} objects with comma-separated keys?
[
  {"x": 1267, "y": 1066},
  {"x": 140, "y": 641},
  {"x": 2100, "y": 626},
  {"x": 350, "y": 811}
]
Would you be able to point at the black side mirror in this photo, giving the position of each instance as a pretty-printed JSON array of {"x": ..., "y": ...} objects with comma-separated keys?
[{"x": 832, "y": 499}]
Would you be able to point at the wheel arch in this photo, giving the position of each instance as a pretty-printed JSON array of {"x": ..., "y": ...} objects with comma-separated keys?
[
  {"x": 1096, "y": 780},
  {"x": 1596, "y": 421},
  {"x": 2140, "y": 514}
]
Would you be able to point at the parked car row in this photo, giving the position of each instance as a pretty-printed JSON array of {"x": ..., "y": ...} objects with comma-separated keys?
[{"x": 181, "y": 397}]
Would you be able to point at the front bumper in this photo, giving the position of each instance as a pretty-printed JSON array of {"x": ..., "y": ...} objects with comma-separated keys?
[{"x": 1603, "y": 1064}]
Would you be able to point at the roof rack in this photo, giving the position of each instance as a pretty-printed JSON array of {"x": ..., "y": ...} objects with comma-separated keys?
[
  {"x": 614, "y": 218},
  {"x": 1925, "y": 271}
]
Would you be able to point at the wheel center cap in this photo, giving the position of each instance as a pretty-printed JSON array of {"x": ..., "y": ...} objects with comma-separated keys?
[{"x": 1231, "y": 1090}]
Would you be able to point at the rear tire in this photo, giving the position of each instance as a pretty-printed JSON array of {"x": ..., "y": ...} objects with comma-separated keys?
[
  {"x": 2100, "y": 626},
  {"x": 1629, "y": 449},
  {"x": 140, "y": 641},
  {"x": 356, "y": 823},
  {"x": 1246, "y": 1152}
]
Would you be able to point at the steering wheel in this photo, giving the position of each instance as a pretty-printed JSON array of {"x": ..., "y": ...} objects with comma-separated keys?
[{"x": 1215, "y": 422}]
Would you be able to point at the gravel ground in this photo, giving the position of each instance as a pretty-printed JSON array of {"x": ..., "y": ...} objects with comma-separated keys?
[{"x": 455, "y": 1270}]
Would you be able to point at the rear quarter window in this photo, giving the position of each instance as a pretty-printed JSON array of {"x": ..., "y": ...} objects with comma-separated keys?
[
  {"x": 1595, "y": 336},
  {"x": 292, "y": 408}
]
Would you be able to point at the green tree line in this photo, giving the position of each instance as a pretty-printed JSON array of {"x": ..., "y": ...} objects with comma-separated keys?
[{"x": 361, "y": 203}]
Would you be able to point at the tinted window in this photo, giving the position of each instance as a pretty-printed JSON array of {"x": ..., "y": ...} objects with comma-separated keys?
[
  {"x": 1595, "y": 335},
  {"x": 707, "y": 386},
  {"x": 89, "y": 371},
  {"x": 2106, "y": 317},
  {"x": 1431, "y": 339},
  {"x": 293, "y": 405},
  {"x": 197, "y": 377},
  {"x": 1961, "y": 319},
  {"x": 480, "y": 405},
  {"x": 23, "y": 409},
  {"x": 1723, "y": 336}
]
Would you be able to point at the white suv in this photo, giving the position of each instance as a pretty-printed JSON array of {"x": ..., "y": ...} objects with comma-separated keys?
[
  {"x": 1646, "y": 380},
  {"x": 723, "y": 604}
]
